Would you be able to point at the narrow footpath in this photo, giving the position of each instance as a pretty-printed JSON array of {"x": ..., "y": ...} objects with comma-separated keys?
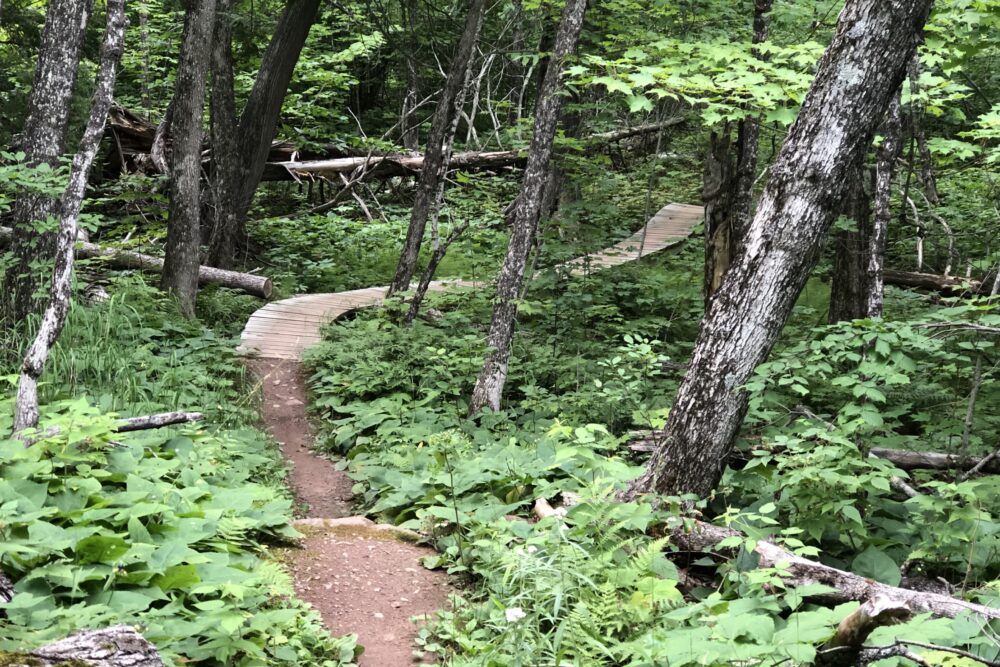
[{"x": 360, "y": 577}]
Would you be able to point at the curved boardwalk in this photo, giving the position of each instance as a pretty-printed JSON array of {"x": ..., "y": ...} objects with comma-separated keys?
[{"x": 284, "y": 329}]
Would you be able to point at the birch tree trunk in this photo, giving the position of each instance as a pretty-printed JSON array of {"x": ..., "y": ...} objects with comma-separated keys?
[
  {"x": 439, "y": 147},
  {"x": 855, "y": 80},
  {"x": 493, "y": 376},
  {"x": 885, "y": 169},
  {"x": 44, "y": 139},
  {"x": 26, "y": 402},
  {"x": 225, "y": 161},
  {"x": 181, "y": 259}
]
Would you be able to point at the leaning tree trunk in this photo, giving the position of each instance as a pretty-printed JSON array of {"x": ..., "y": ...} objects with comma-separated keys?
[
  {"x": 887, "y": 153},
  {"x": 259, "y": 119},
  {"x": 439, "y": 145},
  {"x": 489, "y": 385},
  {"x": 225, "y": 162},
  {"x": 181, "y": 259},
  {"x": 54, "y": 317},
  {"x": 43, "y": 141},
  {"x": 856, "y": 78},
  {"x": 849, "y": 289}
]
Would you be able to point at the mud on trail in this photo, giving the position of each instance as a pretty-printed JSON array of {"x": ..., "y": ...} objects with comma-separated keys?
[{"x": 360, "y": 577}]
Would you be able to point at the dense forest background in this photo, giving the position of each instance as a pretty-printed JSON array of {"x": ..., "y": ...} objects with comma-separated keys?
[{"x": 775, "y": 443}]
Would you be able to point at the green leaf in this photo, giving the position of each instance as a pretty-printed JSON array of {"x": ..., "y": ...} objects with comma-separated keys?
[
  {"x": 100, "y": 549},
  {"x": 875, "y": 564}
]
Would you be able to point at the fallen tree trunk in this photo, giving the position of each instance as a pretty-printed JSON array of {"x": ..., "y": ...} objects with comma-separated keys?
[
  {"x": 628, "y": 132},
  {"x": 647, "y": 441},
  {"x": 697, "y": 536},
  {"x": 391, "y": 165},
  {"x": 125, "y": 259},
  {"x": 157, "y": 421},
  {"x": 932, "y": 281},
  {"x": 115, "y": 646}
]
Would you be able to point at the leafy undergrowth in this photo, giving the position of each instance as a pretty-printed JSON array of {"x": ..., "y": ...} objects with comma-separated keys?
[
  {"x": 167, "y": 529},
  {"x": 597, "y": 587}
]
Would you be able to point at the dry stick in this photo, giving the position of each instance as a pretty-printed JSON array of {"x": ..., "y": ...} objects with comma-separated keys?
[
  {"x": 977, "y": 381},
  {"x": 54, "y": 317}
]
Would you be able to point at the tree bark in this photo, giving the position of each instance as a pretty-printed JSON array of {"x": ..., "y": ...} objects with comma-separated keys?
[
  {"x": 115, "y": 646},
  {"x": 428, "y": 274},
  {"x": 934, "y": 282},
  {"x": 860, "y": 71},
  {"x": 439, "y": 147},
  {"x": 885, "y": 169},
  {"x": 43, "y": 141},
  {"x": 490, "y": 383},
  {"x": 259, "y": 119},
  {"x": 182, "y": 258},
  {"x": 849, "y": 289},
  {"x": 225, "y": 161},
  {"x": 54, "y": 317}
]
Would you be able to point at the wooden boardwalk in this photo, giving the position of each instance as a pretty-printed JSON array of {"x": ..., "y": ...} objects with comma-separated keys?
[{"x": 284, "y": 329}]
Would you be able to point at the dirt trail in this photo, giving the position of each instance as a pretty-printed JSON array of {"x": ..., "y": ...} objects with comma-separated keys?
[{"x": 361, "y": 577}]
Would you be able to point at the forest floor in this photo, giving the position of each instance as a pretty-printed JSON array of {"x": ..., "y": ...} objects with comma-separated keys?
[{"x": 360, "y": 577}]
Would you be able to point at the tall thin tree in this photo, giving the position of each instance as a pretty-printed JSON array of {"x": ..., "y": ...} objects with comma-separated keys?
[
  {"x": 43, "y": 141},
  {"x": 885, "y": 169},
  {"x": 493, "y": 376},
  {"x": 182, "y": 258},
  {"x": 225, "y": 146},
  {"x": 855, "y": 81},
  {"x": 54, "y": 317},
  {"x": 439, "y": 147}
]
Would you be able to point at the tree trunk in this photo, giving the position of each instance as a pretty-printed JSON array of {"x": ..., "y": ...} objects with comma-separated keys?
[
  {"x": 54, "y": 317},
  {"x": 717, "y": 196},
  {"x": 857, "y": 76},
  {"x": 409, "y": 123},
  {"x": 884, "y": 172},
  {"x": 259, "y": 119},
  {"x": 181, "y": 261},
  {"x": 225, "y": 162},
  {"x": 728, "y": 179},
  {"x": 43, "y": 141},
  {"x": 748, "y": 138},
  {"x": 490, "y": 383},
  {"x": 849, "y": 289},
  {"x": 439, "y": 145},
  {"x": 115, "y": 646}
]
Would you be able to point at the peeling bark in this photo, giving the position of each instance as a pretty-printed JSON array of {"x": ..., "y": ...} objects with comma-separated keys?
[
  {"x": 43, "y": 141},
  {"x": 490, "y": 383},
  {"x": 855, "y": 80},
  {"x": 115, "y": 646},
  {"x": 430, "y": 188},
  {"x": 182, "y": 257},
  {"x": 54, "y": 317}
]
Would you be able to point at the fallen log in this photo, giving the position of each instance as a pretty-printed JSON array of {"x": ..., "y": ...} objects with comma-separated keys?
[
  {"x": 250, "y": 283},
  {"x": 157, "y": 421},
  {"x": 692, "y": 535},
  {"x": 628, "y": 132},
  {"x": 390, "y": 165},
  {"x": 933, "y": 282},
  {"x": 115, "y": 646}
]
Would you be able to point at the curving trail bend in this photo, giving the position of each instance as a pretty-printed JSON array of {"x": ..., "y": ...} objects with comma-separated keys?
[{"x": 362, "y": 577}]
